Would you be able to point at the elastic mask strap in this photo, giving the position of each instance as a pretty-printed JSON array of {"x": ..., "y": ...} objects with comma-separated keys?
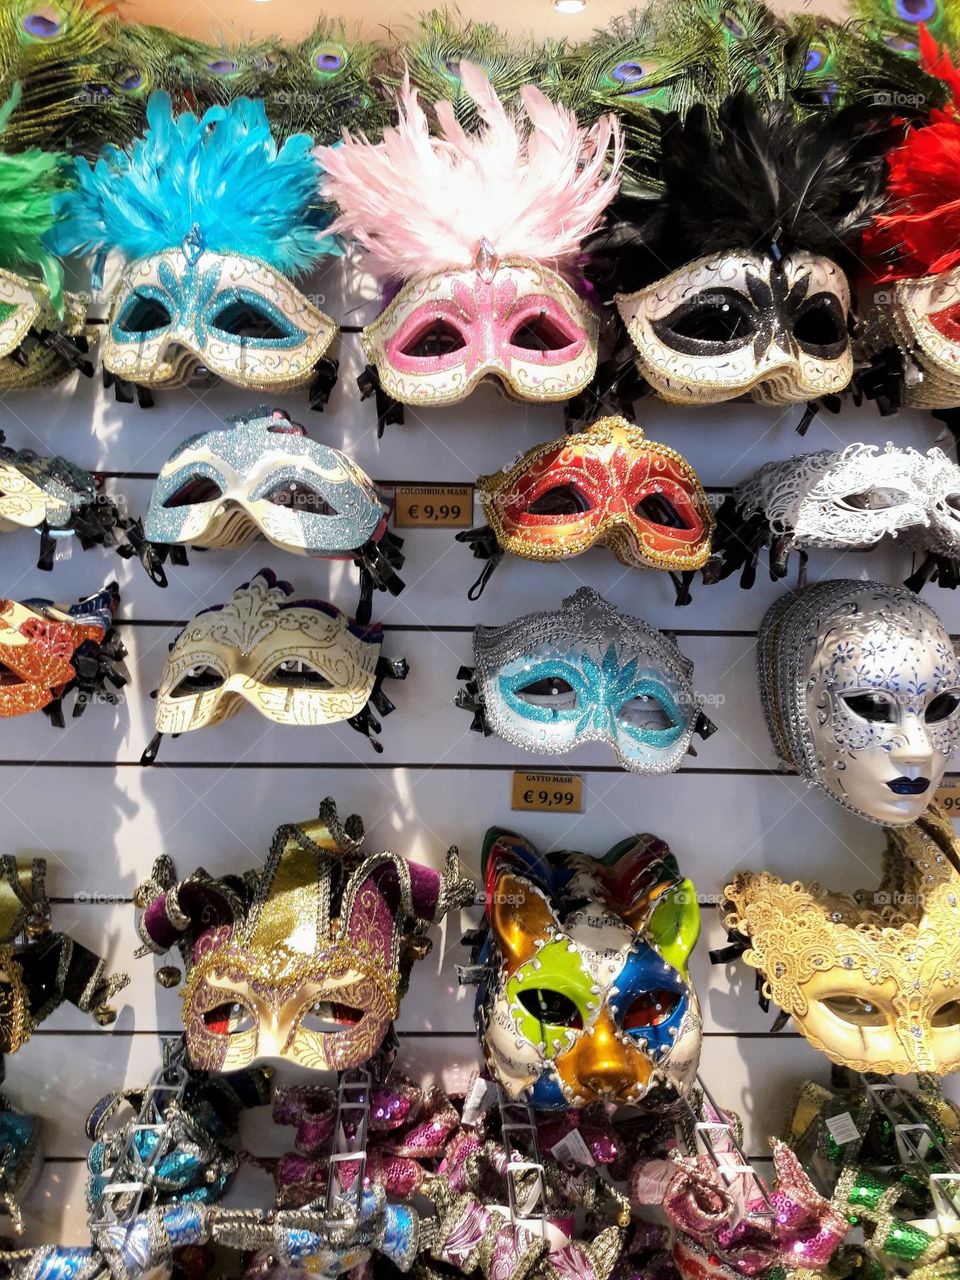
[
  {"x": 482, "y": 541},
  {"x": 364, "y": 721},
  {"x": 150, "y": 554},
  {"x": 470, "y": 699},
  {"x": 69, "y": 351},
  {"x": 325, "y": 373},
  {"x": 388, "y": 409},
  {"x": 151, "y": 750},
  {"x": 378, "y": 563},
  {"x": 126, "y": 392},
  {"x": 97, "y": 665},
  {"x": 48, "y": 548}
]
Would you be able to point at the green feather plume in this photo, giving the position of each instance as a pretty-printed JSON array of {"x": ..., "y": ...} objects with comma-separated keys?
[
  {"x": 324, "y": 83},
  {"x": 896, "y": 24},
  {"x": 29, "y": 180},
  {"x": 443, "y": 40}
]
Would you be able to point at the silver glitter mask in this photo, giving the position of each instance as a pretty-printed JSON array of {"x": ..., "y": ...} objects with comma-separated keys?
[
  {"x": 851, "y": 500},
  {"x": 860, "y": 686},
  {"x": 550, "y": 681}
]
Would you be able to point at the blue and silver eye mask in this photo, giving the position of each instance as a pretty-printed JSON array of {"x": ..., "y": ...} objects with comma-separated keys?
[
  {"x": 548, "y": 682},
  {"x": 262, "y": 476}
]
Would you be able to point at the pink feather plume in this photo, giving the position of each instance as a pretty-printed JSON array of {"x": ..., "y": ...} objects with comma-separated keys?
[{"x": 534, "y": 183}]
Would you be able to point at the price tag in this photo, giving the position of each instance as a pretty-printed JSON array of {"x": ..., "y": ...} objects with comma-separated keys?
[
  {"x": 573, "y": 1150},
  {"x": 948, "y": 797},
  {"x": 842, "y": 1129},
  {"x": 433, "y": 506},
  {"x": 548, "y": 792},
  {"x": 481, "y": 1095}
]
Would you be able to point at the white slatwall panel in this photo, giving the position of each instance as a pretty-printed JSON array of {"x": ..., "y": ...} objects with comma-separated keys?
[{"x": 81, "y": 799}]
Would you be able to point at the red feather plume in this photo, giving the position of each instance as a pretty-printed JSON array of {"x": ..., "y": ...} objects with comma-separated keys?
[{"x": 920, "y": 236}]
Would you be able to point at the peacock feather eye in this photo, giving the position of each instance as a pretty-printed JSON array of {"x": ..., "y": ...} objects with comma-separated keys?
[
  {"x": 916, "y": 10},
  {"x": 223, "y": 66},
  {"x": 329, "y": 59},
  {"x": 818, "y": 55},
  {"x": 130, "y": 80},
  {"x": 43, "y": 22}
]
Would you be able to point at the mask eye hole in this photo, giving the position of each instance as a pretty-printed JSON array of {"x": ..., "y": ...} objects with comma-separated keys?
[
  {"x": 295, "y": 674},
  {"x": 660, "y": 510},
  {"x": 541, "y": 333},
  {"x": 820, "y": 326},
  {"x": 948, "y": 1015},
  {"x": 242, "y": 318},
  {"x": 952, "y": 500},
  {"x": 646, "y": 712},
  {"x": 942, "y": 707},
  {"x": 328, "y": 1018},
  {"x": 562, "y": 500},
  {"x": 195, "y": 490},
  {"x": 297, "y": 496},
  {"x": 142, "y": 315},
  {"x": 875, "y": 499},
  {"x": 8, "y": 677},
  {"x": 861, "y": 1013},
  {"x": 434, "y": 339},
  {"x": 650, "y": 1009},
  {"x": 229, "y": 1019},
  {"x": 551, "y": 1007},
  {"x": 549, "y": 692},
  {"x": 198, "y": 680},
  {"x": 714, "y": 321},
  {"x": 875, "y": 707}
]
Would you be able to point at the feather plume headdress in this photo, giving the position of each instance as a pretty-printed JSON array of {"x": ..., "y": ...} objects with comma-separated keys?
[
  {"x": 28, "y": 183},
  {"x": 759, "y": 179},
  {"x": 920, "y": 236},
  {"x": 220, "y": 181},
  {"x": 531, "y": 184}
]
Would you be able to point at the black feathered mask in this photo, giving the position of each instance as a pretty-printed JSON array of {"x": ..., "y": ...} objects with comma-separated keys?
[{"x": 732, "y": 278}]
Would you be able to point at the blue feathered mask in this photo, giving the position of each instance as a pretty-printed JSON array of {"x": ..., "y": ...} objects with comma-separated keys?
[{"x": 221, "y": 180}]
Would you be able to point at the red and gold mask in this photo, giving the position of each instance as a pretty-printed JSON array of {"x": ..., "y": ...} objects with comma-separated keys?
[{"x": 37, "y": 646}]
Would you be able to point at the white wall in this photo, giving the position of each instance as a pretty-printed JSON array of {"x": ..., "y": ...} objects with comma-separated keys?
[{"x": 80, "y": 798}]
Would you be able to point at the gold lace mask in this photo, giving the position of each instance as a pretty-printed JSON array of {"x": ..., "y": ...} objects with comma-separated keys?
[{"x": 873, "y": 979}]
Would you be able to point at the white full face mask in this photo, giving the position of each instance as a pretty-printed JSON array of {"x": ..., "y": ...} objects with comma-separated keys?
[
  {"x": 726, "y": 326},
  {"x": 861, "y": 690}
]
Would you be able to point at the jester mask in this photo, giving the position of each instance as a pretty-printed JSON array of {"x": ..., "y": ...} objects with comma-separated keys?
[
  {"x": 213, "y": 220},
  {"x": 872, "y": 980},
  {"x": 585, "y": 995},
  {"x": 606, "y": 484},
  {"x": 860, "y": 686},
  {"x": 482, "y": 275},
  {"x": 306, "y": 961},
  {"x": 297, "y": 662}
]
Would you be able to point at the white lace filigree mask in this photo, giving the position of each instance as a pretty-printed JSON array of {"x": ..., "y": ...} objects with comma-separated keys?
[
  {"x": 861, "y": 690},
  {"x": 722, "y": 327}
]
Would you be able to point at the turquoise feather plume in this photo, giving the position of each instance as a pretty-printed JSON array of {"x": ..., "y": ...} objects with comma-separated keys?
[{"x": 221, "y": 178}]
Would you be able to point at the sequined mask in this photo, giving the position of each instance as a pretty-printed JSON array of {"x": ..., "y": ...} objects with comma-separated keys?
[
  {"x": 872, "y": 980},
  {"x": 235, "y": 317},
  {"x": 515, "y": 321},
  {"x": 38, "y": 347},
  {"x": 585, "y": 995},
  {"x": 262, "y": 476},
  {"x": 921, "y": 317},
  {"x": 46, "y": 651},
  {"x": 606, "y": 484},
  {"x": 548, "y": 682},
  {"x": 305, "y": 962},
  {"x": 297, "y": 662},
  {"x": 723, "y": 327},
  {"x": 861, "y": 691}
]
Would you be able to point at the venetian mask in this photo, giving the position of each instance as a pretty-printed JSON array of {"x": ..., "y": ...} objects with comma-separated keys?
[
  {"x": 214, "y": 219},
  {"x": 860, "y": 685},
  {"x": 306, "y": 961},
  {"x": 606, "y": 484},
  {"x": 871, "y": 980},
  {"x": 744, "y": 323},
  {"x": 850, "y": 500},
  {"x": 47, "y": 652},
  {"x": 297, "y": 662},
  {"x": 487, "y": 265},
  {"x": 56, "y": 498},
  {"x": 549, "y": 682},
  {"x": 262, "y": 476},
  {"x": 585, "y": 995},
  {"x": 755, "y": 298}
]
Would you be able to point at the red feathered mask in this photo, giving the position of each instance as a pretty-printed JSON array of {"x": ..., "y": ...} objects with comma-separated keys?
[{"x": 922, "y": 234}]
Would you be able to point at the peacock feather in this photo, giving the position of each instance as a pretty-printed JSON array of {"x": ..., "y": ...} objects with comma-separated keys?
[
  {"x": 54, "y": 49},
  {"x": 29, "y": 180},
  {"x": 896, "y": 23},
  {"x": 443, "y": 40},
  {"x": 219, "y": 182},
  {"x": 321, "y": 85}
]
